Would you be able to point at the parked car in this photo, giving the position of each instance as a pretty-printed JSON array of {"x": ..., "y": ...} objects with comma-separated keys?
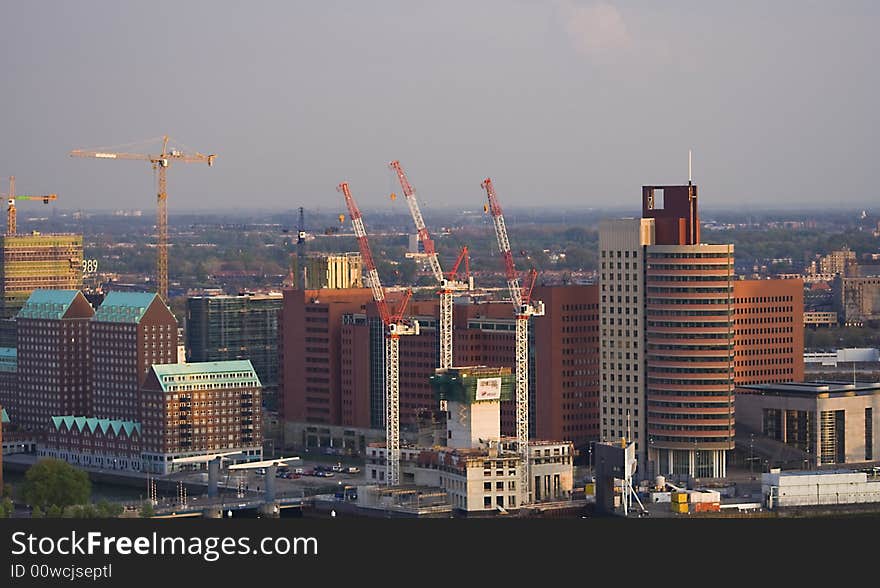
[
  {"x": 298, "y": 470},
  {"x": 337, "y": 468},
  {"x": 353, "y": 470}
]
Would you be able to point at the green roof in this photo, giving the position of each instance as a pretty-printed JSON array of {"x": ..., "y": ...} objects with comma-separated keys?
[
  {"x": 234, "y": 373},
  {"x": 47, "y": 304},
  {"x": 8, "y": 359},
  {"x": 93, "y": 425},
  {"x": 4, "y": 418},
  {"x": 124, "y": 307}
]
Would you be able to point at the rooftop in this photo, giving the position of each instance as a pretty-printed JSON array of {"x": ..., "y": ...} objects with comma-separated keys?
[
  {"x": 817, "y": 389},
  {"x": 124, "y": 307},
  {"x": 93, "y": 425},
  {"x": 4, "y": 418},
  {"x": 234, "y": 372},
  {"x": 8, "y": 359},
  {"x": 47, "y": 304}
]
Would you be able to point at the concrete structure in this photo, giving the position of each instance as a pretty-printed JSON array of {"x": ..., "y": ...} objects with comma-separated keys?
[
  {"x": 222, "y": 328},
  {"x": 31, "y": 262},
  {"x": 130, "y": 332},
  {"x": 197, "y": 408},
  {"x": 482, "y": 480},
  {"x": 622, "y": 247},
  {"x": 769, "y": 337},
  {"x": 851, "y": 357},
  {"x": 857, "y": 300},
  {"x": 54, "y": 358},
  {"x": 792, "y": 489},
  {"x": 820, "y": 318},
  {"x": 4, "y": 418},
  {"x": 830, "y": 422},
  {"x": 341, "y": 271}
]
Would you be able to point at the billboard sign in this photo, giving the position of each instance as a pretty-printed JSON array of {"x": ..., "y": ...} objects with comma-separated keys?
[{"x": 488, "y": 389}]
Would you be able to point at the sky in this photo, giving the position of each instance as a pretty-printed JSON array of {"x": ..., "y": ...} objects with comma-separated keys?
[{"x": 563, "y": 103}]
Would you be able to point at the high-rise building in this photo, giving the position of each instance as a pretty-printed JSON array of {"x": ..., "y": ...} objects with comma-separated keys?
[
  {"x": 340, "y": 271},
  {"x": 31, "y": 262},
  {"x": 130, "y": 332},
  {"x": 679, "y": 331},
  {"x": 769, "y": 337},
  {"x": 196, "y": 408},
  {"x": 221, "y": 328},
  {"x": 310, "y": 350},
  {"x": 689, "y": 352},
  {"x": 54, "y": 357},
  {"x": 622, "y": 247},
  {"x": 566, "y": 367}
]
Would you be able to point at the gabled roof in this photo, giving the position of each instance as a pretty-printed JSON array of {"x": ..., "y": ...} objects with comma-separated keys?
[
  {"x": 124, "y": 307},
  {"x": 227, "y": 373},
  {"x": 48, "y": 304},
  {"x": 4, "y": 418},
  {"x": 92, "y": 425}
]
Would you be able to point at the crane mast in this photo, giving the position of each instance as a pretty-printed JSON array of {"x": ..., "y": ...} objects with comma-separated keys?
[
  {"x": 395, "y": 327},
  {"x": 448, "y": 285},
  {"x": 160, "y": 164},
  {"x": 524, "y": 308},
  {"x": 11, "y": 225}
]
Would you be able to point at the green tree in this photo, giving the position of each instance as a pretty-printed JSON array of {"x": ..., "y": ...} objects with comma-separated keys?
[
  {"x": 57, "y": 483},
  {"x": 6, "y": 508},
  {"x": 108, "y": 510},
  {"x": 55, "y": 512},
  {"x": 147, "y": 511},
  {"x": 37, "y": 513}
]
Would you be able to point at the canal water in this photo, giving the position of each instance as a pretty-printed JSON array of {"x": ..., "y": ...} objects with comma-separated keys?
[{"x": 100, "y": 491}]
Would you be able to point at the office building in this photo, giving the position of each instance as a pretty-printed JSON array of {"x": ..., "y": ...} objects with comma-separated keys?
[
  {"x": 222, "y": 328},
  {"x": 769, "y": 337},
  {"x": 31, "y": 262},
  {"x": 130, "y": 332},
  {"x": 197, "y": 408},
  {"x": 9, "y": 379},
  {"x": 310, "y": 349},
  {"x": 336, "y": 272},
  {"x": 829, "y": 422},
  {"x": 53, "y": 358}
]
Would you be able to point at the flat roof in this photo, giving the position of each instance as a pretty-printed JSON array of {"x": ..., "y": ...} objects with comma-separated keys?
[{"x": 817, "y": 388}]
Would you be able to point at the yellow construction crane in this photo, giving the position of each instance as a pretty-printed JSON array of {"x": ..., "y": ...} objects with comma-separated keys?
[
  {"x": 159, "y": 162},
  {"x": 12, "y": 197}
]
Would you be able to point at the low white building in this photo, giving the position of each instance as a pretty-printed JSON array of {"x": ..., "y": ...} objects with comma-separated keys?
[{"x": 810, "y": 488}]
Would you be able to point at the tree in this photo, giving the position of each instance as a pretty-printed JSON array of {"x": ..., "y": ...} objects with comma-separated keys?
[
  {"x": 37, "y": 513},
  {"x": 55, "y": 512},
  {"x": 108, "y": 510},
  {"x": 147, "y": 510},
  {"x": 52, "y": 482},
  {"x": 6, "y": 508}
]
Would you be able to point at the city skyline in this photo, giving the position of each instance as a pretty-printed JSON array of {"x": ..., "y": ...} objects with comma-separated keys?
[{"x": 587, "y": 101}]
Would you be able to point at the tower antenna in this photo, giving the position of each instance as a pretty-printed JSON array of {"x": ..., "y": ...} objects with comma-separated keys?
[{"x": 690, "y": 169}]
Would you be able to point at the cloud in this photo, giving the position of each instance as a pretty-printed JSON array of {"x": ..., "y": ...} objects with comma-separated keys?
[{"x": 595, "y": 29}]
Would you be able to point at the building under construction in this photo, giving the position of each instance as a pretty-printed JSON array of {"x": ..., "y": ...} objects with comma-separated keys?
[
  {"x": 222, "y": 328},
  {"x": 32, "y": 262},
  {"x": 340, "y": 271}
]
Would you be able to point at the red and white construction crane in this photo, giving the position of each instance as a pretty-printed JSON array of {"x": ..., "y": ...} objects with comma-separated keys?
[
  {"x": 524, "y": 308},
  {"x": 448, "y": 283},
  {"x": 395, "y": 327}
]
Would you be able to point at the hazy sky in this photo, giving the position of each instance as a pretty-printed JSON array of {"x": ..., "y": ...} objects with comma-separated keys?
[{"x": 561, "y": 102}]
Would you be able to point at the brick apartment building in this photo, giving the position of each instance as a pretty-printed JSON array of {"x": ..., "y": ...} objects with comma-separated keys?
[
  {"x": 54, "y": 357},
  {"x": 130, "y": 332}
]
